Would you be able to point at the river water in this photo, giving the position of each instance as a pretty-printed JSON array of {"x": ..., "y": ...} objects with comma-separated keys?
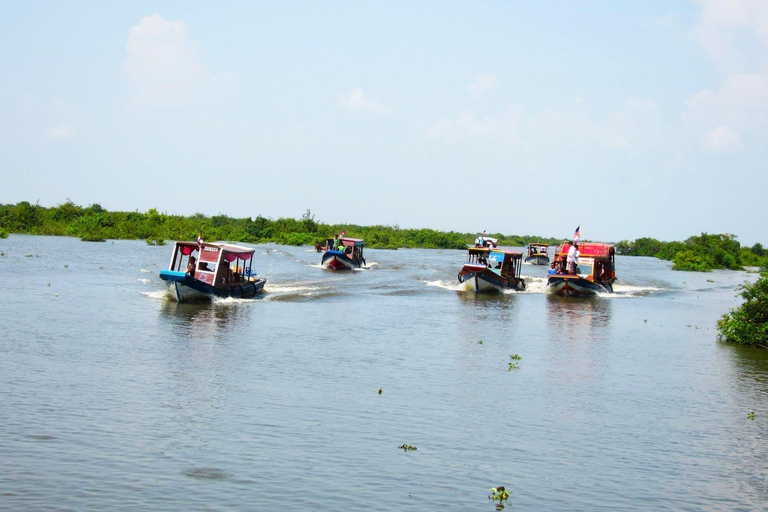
[{"x": 114, "y": 397}]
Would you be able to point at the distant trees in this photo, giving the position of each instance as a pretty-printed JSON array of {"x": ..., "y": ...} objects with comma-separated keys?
[
  {"x": 699, "y": 253},
  {"x": 96, "y": 223}
]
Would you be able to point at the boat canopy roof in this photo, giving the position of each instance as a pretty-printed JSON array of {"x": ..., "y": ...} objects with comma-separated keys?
[
  {"x": 478, "y": 250},
  {"x": 505, "y": 255},
  {"x": 537, "y": 244},
  {"x": 351, "y": 241},
  {"x": 588, "y": 249},
  {"x": 235, "y": 249}
]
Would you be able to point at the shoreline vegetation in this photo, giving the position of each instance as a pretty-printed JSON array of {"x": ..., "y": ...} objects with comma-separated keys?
[
  {"x": 748, "y": 323},
  {"x": 702, "y": 253},
  {"x": 95, "y": 224}
]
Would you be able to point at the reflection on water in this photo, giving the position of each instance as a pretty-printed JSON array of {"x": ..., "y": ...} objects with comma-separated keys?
[
  {"x": 201, "y": 319},
  {"x": 578, "y": 318}
]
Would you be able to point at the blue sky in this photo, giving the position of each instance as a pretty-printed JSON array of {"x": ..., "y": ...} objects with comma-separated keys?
[{"x": 629, "y": 118}]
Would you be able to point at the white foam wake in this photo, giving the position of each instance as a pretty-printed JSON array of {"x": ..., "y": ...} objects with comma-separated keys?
[{"x": 456, "y": 286}]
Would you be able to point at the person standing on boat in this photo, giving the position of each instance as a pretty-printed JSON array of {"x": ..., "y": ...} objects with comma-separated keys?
[
  {"x": 336, "y": 243},
  {"x": 191, "y": 266},
  {"x": 573, "y": 257}
]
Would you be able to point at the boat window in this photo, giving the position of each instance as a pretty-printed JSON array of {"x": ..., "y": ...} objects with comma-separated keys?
[
  {"x": 206, "y": 266},
  {"x": 584, "y": 269}
]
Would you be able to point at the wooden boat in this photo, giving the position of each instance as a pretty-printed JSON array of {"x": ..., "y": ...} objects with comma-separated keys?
[
  {"x": 219, "y": 270},
  {"x": 537, "y": 254},
  {"x": 347, "y": 257},
  {"x": 492, "y": 269},
  {"x": 595, "y": 272}
]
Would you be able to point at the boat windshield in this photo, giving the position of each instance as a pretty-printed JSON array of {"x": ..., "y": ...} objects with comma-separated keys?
[{"x": 584, "y": 268}]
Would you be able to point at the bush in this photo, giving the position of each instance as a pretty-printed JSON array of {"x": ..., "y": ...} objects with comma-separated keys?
[
  {"x": 689, "y": 260},
  {"x": 3, "y": 233},
  {"x": 748, "y": 324}
]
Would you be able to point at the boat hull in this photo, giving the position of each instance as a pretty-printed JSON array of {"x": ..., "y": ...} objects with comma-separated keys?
[
  {"x": 538, "y": 259},
  {"x": 337, "y": 260},
  {"x": 481, "y": 279},
  {"x": 188, "y": 289},
  {"x": 575, "y": 286}
]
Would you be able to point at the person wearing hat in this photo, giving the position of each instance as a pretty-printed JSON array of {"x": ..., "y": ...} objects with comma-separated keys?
[{"x": 573, "y": 257}]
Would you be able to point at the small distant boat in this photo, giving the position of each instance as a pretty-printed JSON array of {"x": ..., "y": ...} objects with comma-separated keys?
[
  {"x": 492, "y": 269},
  {"x": 537, "y": 254},
  {"x": 595, "y": 272},
  {"x": 346, "y": 257},
  {"x": 219, "y": 270}
]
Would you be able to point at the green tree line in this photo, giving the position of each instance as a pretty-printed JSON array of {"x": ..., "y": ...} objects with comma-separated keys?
[
  {"x": 699, "y": 253},
  {"x": 94, "y": 223}
]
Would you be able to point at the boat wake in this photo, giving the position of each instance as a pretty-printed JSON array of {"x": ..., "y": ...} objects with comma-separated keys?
[
  {"x": 298, "y": 291},
  {"x": 164, "y": 294},
  {"x": 145, "y": 281},
  {"x": 456, "y": 286},
  {"x": 623, "y": 290},
  {"x": 145, "y": 271}
]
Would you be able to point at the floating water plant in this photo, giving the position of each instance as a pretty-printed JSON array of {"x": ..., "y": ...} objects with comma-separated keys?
[
  {"x": 379, "y": 390},
  {"x": 407, "y": 448},
  {"x": 515, "y": 357},
  {"x": 479, "y": 342},
  {"x": 512, "y": 364},
  {"x": 499, "y": 494},
  {"x": 751, "y": 415}
]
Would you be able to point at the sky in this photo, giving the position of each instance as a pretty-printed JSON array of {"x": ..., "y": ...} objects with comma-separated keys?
[{"x": 629, "y": 119}]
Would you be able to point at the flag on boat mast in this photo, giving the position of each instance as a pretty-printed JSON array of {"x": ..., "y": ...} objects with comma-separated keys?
[
  {"x": 576, "y": 234},
  {"x": 200, "y": 238}
]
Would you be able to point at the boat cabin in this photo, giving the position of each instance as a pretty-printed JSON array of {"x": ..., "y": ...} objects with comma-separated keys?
[
  {"x": 352, "y": 247},
  {"x": 218, "y": 265},
  {"x": 501, "y": 261},
  {"x": 506, "y": 263},
  {"x": 536, "y": 249},
  {"x": 596, "y": 261}
]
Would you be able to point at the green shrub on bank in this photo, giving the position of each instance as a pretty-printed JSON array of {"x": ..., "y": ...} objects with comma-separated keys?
[
  {"x": 698, "y": 253},
  {"x": 96, "y": 223},
  {"x": 3, "y": 233},
  {"x": 748, "y": 324}
]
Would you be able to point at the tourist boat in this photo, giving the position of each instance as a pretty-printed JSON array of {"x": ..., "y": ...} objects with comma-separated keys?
[
  {"x": 595, "y": 272},
  {"x": 219, "y": 270},
  {"x": 492, "y": 269},
  {"x": 537, "y": 254},
  {"x": 348, "y": 257}
]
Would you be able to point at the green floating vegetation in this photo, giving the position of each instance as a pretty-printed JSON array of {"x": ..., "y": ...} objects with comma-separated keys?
[
  {"x": 699, "y": 253},
  {"x": 155, "y": 241},
  {"x": 407, "y": 448},
  {"x": 748, "y": 323},
  {"x": 479, "y": 342},
  {"x": 751, "y": 415},
  {"x": 96, "y": 223},
  {"x": 499, "y": 494},
  {"x": 512, "y": 364}
]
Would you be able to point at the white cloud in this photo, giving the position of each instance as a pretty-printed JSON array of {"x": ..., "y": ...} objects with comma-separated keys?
[
  {"x": 482, "y": 85},
  {"x": 729, "y": 27},
  {"x": 464, "y": 126},
  {"x": 741, "y": 103},
  {"x": 163, "y": 63},
  {"x": 356, "y": 101},
  {"x": 723, "y": 140},
  {"x": 61, "y": 132},
  {"x": 637, "y": 123}
]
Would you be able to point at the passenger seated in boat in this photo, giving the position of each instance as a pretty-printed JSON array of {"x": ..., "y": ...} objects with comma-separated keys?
[
  {"x": 191, "y": 266},
  {"x": 203, "y": 267},
  {"x": 552, "y": 269}
]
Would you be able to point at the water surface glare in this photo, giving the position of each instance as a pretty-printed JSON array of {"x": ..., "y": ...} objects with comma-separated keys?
[{"x": 116, "y": 398}]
